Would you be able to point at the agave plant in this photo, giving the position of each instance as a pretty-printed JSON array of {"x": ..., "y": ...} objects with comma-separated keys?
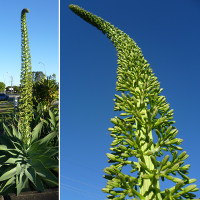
[
  {"x": 144, "y": 135},
  {"x": 25, "y": 167},
  {"x": 51, "y": 124}
]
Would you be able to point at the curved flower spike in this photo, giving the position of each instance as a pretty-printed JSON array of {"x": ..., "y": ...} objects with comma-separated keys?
[{"x": 145, "y": 113}]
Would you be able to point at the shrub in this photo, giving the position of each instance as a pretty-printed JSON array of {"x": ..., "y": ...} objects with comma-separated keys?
[{"x": 45, "y": 92}]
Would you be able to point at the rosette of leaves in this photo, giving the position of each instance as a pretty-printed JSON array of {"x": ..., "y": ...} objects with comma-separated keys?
[
  {"x": 52, "y": 125},
  {"x": 144, "y": 133},
  {"x": 51, "y": 119},
  {"x": 25, "y": 167}
]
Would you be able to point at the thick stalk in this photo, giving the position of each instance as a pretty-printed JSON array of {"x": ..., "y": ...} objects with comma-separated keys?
[{"x": 147, "y": 184}]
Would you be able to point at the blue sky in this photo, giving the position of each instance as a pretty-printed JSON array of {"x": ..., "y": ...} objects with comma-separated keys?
[
  {"x": 43, "y": 29},
  {"x": 168, "y": 34}
]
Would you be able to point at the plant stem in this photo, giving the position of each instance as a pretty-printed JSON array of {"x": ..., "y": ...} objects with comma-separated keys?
[{"x": 149, "y": 187}]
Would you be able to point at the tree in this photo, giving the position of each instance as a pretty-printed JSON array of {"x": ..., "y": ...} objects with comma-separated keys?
[
  {"x": 2, "y": 86},
  {"x": 25, "y": 102},
  {"x": 37, "y": 76},
  {"x": 53, "y": 76},
  {"x": 144, "y": 133},
  {"x": 16, "y": 88}
]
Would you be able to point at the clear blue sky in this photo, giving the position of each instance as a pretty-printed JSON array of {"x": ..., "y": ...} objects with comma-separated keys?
[
  {"x": 168, "y": 32},
  {"x": 43, "y": 29}
]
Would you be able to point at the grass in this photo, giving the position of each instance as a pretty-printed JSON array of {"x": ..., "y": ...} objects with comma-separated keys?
[
  {"x": 6, "y": 107},
  {"x": 6, "y": 112}
]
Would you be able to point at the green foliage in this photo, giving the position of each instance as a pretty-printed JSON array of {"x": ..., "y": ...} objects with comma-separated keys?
[
  {"x": 2, "y": 86},
  {"x": 27, "y": 167},
  {"x": 6, "y": 114},
  {"x": 45, "y": 92},
  {"x": 28, "y": 159},
  {"x": 53, "y": 125},
  {"x": 51, "y": 121},
  {"x": 25, "y": 102},
  {"x": 37, "y": 76},
  {"x": 144, "y": 135},
  {"x": 53, "y": 76}
]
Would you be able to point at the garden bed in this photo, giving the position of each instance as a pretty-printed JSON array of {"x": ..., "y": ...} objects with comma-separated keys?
[{"x": 49, "y": 194}]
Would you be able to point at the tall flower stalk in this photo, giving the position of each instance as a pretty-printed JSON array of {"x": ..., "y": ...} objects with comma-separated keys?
[
  {"x": 25, "y": 102},
  {"x": 144, "y": 133}
]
